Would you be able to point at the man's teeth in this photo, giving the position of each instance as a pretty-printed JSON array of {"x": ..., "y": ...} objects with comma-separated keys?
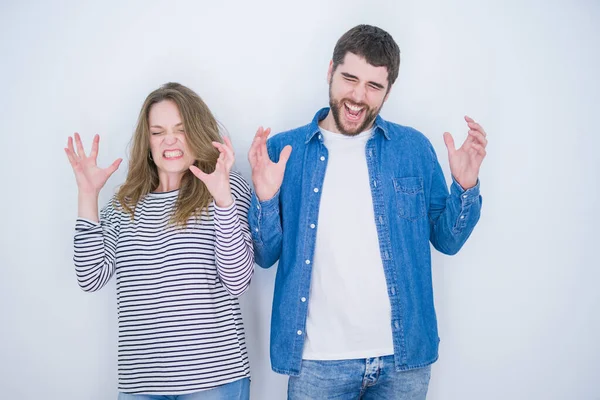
[
  {"x": 174, "y": 153},
  {"x": 353, "y": 107}
]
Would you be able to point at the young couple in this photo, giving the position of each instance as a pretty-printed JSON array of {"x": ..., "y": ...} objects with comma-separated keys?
[{"x": 347, "y": 204}]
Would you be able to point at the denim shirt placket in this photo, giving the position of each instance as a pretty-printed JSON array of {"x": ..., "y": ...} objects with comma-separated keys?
[{"x": 309, "y": 233}]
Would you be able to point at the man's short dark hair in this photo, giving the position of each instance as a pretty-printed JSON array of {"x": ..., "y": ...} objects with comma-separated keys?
[{"x": 373, "y": 44}]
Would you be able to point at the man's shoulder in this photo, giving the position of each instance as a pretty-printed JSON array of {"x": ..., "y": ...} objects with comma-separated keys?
[
  {"x": 291, "y": 136},
  {"x": 405, "y": 133},
  {"x": 406, "y": 136},
  {"x": 300, "y": 135}
]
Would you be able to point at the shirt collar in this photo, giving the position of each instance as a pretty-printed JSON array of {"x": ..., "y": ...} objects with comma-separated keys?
[{"x": 313, "y": 129}]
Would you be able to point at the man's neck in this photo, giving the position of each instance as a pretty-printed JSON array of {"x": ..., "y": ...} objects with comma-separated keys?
[{"x": 328, "y": 123}]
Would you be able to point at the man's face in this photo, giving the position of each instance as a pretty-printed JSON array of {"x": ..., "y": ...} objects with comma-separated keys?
[{"x": 357, "y": 91}]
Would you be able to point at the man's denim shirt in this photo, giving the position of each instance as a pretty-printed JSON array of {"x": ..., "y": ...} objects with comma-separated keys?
[{"x": 412, "y": 207}]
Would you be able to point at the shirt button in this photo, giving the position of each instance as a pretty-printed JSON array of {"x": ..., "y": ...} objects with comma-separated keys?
[
  {"x": 256, "y": 229},
  {"x": 303, "y": 299},
  {"x": 258, "y": 206},
  {"x": 312, "y": 226},
  {"x": 322, "y": 158},
  {"x": 320, "y": 137},
  {"x": 375, "y": 183},
  {"x": 380, "y": 219},
  {"x": 464, "y": 196},
  {"x": 299, "y": 333},
  {"x": 393, "y": 291},
  {"x": 316, "y": 190},
  {"x": 307, "y": 262},
  {"x": 397, "y": 325},
  {"x": 462, "y": 217}
]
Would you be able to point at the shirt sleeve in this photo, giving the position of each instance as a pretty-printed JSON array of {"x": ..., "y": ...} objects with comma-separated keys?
[
  {"x": 452, "y": 215},
  {"x": 234, "y": 253},
  {"x": 95, "y": 245}
]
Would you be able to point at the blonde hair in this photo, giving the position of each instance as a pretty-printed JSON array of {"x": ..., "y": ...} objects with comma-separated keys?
[{"x": 201, "y": 129}]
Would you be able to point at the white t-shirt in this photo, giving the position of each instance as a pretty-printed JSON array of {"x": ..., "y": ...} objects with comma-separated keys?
[{"x": 349, "y": 312}]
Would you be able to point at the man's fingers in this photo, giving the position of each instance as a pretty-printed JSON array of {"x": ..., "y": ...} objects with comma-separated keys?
[
  {"x": 258, "y": 149},
  {"x": 284, "y": 156},
  {"x": 475, "y": 126},
  {"x": 253, "y": 153},
  {"x": 479, "y": 149},
  {"x": 479, "y": 137},
  {"x": 449, "y": 141}
]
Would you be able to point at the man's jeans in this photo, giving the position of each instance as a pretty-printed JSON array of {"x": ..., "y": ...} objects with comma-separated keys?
[{"x": 371, "y": 378}]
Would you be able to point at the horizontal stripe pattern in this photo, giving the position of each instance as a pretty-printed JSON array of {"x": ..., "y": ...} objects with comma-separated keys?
[{"x": 180, "y": 323}]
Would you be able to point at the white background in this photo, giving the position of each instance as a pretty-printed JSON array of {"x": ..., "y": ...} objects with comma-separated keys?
[{"x": 517, "y": 307}]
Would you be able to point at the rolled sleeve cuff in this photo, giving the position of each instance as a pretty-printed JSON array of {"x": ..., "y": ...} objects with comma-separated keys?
[
  {"x": 258, "y": 211},
  {"x": 265, "y": 207},
  {"x": 467, "y": 196}
]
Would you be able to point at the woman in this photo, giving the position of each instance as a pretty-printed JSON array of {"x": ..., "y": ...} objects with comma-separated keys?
[{"x": 176, "y": 235}]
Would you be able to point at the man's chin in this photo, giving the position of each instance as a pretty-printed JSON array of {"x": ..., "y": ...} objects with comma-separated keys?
[
  {"x": 351, "y": 129},
  {"x": 350, "y": 133}
]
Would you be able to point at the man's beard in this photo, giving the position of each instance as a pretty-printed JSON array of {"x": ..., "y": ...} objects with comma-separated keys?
[{"x": 336, "y": 110}]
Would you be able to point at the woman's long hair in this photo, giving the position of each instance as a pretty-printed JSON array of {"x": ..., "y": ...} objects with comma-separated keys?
[{"x": 201, "y": 129}]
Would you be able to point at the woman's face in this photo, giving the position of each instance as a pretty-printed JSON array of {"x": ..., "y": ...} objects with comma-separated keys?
[{"x": 168, "y": 144}]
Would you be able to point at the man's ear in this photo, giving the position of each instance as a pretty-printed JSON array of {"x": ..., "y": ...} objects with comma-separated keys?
[
  {"x": 330, "y": 71},
  {"x": 388, "y": 94}
]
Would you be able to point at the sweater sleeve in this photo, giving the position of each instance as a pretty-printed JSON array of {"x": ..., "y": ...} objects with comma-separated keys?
[
  {"x": 234, "y": 253},
  {"x": 95, "y": 245}
]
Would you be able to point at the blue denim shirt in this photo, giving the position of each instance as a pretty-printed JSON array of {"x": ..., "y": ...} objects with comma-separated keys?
[{"x": 412, "y": 207}]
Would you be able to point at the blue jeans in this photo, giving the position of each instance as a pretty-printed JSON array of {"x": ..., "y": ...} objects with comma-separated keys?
[
  {"x": 371, "y": 378},
  {"x": 237, "y": 390}
]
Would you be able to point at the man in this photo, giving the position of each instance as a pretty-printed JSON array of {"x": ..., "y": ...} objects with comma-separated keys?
[{"x": 350, "y": 222}]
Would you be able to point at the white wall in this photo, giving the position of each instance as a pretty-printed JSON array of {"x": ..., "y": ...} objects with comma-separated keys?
[{"x": 517, "y": 308}]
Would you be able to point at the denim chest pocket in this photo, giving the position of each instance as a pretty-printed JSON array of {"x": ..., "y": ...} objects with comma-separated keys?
[{"x": 410, "y": 197}]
